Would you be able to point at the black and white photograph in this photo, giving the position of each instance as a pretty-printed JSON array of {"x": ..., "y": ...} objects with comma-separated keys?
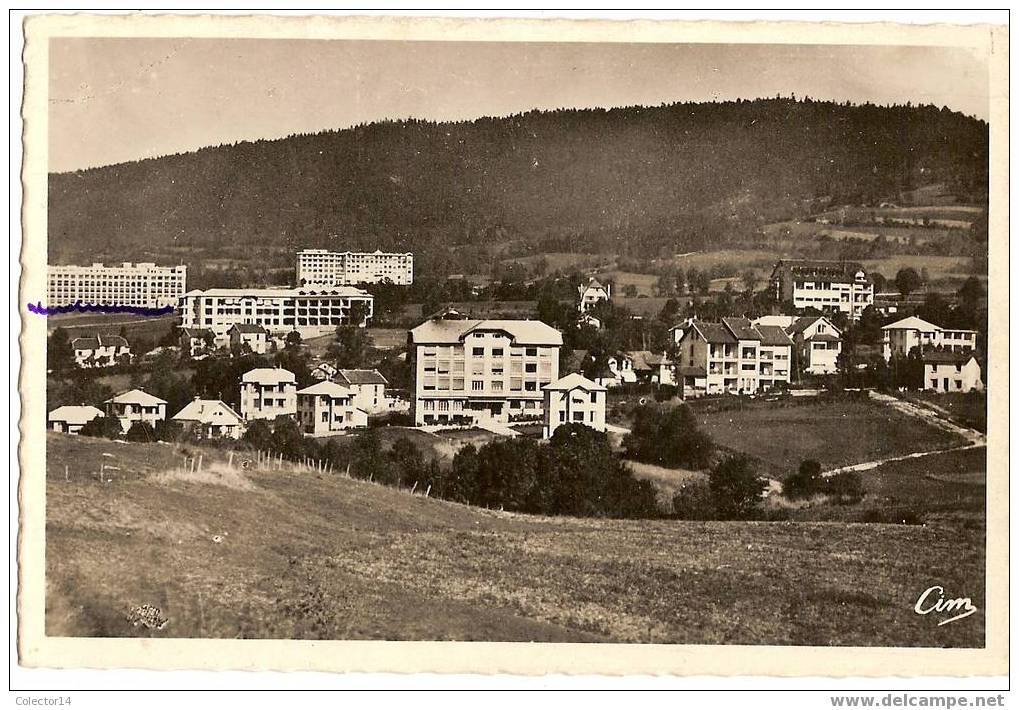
[{"x": 632, "y": 342}]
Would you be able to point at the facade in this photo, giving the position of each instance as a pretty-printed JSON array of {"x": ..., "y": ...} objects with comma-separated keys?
[
  {"x": 350, "y": 268},
  {"x": 735, "y": 357},
  {"x": 593, "y": 293},
  {"x": 138, "y": 285},
  {"x": 652, "y": 368},
  {"x": 818, "y": 344},
  {"x": 573, "y": 399},
  {"x": 832, "y": 286},
  {"x": 899, "y": 338},
  {"x": 197, "y": 341},
  {"x": 368, "y": 386},
  {"x": 136, "y": 406},
  {"x": 467, "y": 371},
  {"x": 210, "y": 419},
  {"x": 268, "y": 392},
  {"x": 326, "y": 408},
  {"x": 676, "y": 331},
  {"x": 310, "y": 311},
  {"x": 69, "y": 419},
  {"x": 100, "y": 351},
  {"x": 951, "y": 371},
  {"x": 254, "y": 336}
]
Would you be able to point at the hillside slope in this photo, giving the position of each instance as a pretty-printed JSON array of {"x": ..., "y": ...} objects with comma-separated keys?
[
  {"x": 308, "y": 556},
  {"x": 635, "y": 179}
]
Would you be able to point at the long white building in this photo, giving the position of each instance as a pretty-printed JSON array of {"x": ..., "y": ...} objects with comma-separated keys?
[
  {"x": 828, "y": 286},
  {"x": 141, "y": 285},
  {"x": 310, "y": 311},
  {"x": 350, "y": 268},
  {"x": 482, "y": 370}
]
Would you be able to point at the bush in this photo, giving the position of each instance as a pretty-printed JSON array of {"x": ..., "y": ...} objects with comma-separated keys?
[
  {"x": 141, "y": 431},
  {"x": 104, "y": 427},
  {"x": 805, "y": 482},
  {"x": 845, "y": 488},
  {"x": 169, "y": 430},
  {"x": 895, "y": 516},
  {"x": 736, "y": 489},
  {"x": 694, "y": 502},
  {"x": 668, "y": 437}
]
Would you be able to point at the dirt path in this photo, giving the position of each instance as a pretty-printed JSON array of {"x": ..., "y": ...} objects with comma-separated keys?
[{"x": 975, "y": 438}]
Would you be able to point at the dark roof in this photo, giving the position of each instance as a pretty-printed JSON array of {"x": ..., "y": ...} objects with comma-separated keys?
[
  {"x": 823, "y": 337},
  {"x": 823, "y": 270},
  {"x": 196, "y": 332},
  {"x": 801, "y": 324},
  {"x": 773, "y": 335},
  {"x": 361, "y": 377},
  {"x": 948, "y": 357},
  {"x": 692, "y": 371},
  {"x": 94, "y": 343},
  {"x": 742, "y": 328},
  {"x": 247, "y": 328},
  {"x": 713, "y": 332}
]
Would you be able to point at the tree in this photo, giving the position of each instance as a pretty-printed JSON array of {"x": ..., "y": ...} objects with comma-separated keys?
[
  {"x": 293, "y": 339},
  {"x": 668, "y": 437},
  {"x": 141, "y": 431},
  {"x": 407, "y": 463},
  {"x": 351, "y": 347},
  {"x": 736, "y": 489},
  {"x": 169, "y": 430},
  {"x": 59, "y": 353},
  {"x": 970, "y": 293},
  {"x": 104, "y": 427},
  {"x": 750, "y": 280},
  {"x": 259, "y": 434},
  {"x": 357, "y": 316},
  {"x": 805, "y": 482},
  {"x": 907, "y": 281}
]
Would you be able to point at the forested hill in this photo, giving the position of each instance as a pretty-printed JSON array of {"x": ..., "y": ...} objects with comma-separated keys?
[{"x": 678, "y": 176}]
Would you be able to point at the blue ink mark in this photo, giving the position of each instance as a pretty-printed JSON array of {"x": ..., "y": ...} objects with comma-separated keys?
[{"x": 79, "y": 307}]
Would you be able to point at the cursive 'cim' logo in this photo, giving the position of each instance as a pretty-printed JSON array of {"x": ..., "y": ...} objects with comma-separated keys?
[{"x": 933, "y": 601}]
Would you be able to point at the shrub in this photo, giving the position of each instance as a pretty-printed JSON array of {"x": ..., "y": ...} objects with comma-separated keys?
[
  {"x": 141, "y": 431},
  {"x": 105, "y": 427},
  {"x": 668, "y": 437},
  {"x": 805, "y": 482},
  {"x": 845, "y": 488},
  {"x": 169, "y": 430},
  {"x": 895, "y": 516},
  {"x": 736, "y": 489},
  {"x": 694, "y": 501}
]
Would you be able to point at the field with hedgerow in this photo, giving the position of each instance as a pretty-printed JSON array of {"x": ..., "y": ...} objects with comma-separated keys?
[{"x": 235, "y": 550}]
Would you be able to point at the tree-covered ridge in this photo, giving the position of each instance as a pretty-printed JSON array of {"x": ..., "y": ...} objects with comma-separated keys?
[{"x": 634, "y": 179}]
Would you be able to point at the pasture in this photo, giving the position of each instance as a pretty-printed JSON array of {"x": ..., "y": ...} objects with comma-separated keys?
[{"x": 291, "y": 554}]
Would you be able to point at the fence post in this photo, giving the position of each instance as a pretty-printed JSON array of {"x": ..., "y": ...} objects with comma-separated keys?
[
  {"x": 230, "y": 463},
  {"x": 67, "y": 475},
  {"x": 428, "y": 490},
  {"x": 200, "y": 463},
  {"x": 413, "y": 488}
]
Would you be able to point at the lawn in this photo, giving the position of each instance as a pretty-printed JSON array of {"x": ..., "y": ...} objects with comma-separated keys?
[
  {"x": 154, "y": 328},
  {"x": 781, "y": 435},
  {"x": 968, "y": 409},
  {"x": 312, "y": 556}
]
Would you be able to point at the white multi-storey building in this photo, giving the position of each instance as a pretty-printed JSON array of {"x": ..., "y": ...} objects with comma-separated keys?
[
  {"x": 899, "y": 338},
  {"x": 831, "y": 286},
  {"x": 467, "y": 371},
  {"x": 268, "y": 392},
  {"x": 733, "y": 356},
  {"x": 342, "y": 268},
  {"x": 326, "y": 407},
  {"x": 310, "y": 311},
  {"x": 136, "y": 406},
  {"x": 574, "y": 399},
  {"x": 136, "y": 285}
]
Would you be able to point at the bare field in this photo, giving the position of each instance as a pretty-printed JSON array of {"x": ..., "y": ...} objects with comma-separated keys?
[{"x": 301, "y": 555}]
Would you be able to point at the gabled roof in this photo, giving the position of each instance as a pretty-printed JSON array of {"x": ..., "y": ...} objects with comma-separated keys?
[
  {"x": 330, "y": 389},
  {"x": 326, "y": 367},
  {"x": 99, "y": 341},
  {"x": 137, "y": 396},
  {"x": 647, "y": 360},
  {"x": 948, "y": 357},
  {"x": 773, "y": 335},
  {"x": 912, "y": 323},
  {"x": 742, "y": 328},
  {"x": 823, "y": 338},
  {"x": 451, "y": 332},
  {"x": 593, "y": 283},
  {"x": 245, "y": 328},
  {"x": 197, "y": 332},
  {"x": 692, "y": 371},
  {"x": 361, "y": 377},
  {"x": 712, "y": 332},
  {"x": 269, "y": 376},
  {"x": 74, "y": 414},
  {"x": 208, "y": 411},
  {"x": 573, "y": 381}
]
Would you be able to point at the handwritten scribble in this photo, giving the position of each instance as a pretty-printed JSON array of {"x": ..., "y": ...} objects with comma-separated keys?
[{"x": 79, "y": 307}]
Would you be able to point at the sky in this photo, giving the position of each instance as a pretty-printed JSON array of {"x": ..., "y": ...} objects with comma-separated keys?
[{"x": 113, "y": 100}]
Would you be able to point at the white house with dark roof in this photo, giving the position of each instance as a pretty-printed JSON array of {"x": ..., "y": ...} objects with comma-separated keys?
[
  {"x": 210, "y": 419},
  {"x": 472, "y": 370},
  {"x": 136, "y": 406},
  {"x": 324, "y": 371},
  {"x": 69, "y": 419},
  {"x": 100, "y": 350},
  {"x": 951, "y": 371},
  {"x": 899, "y": 338},
  {"x": 573, "y": 399},
  {"x": 818, "y": 344},
  {"x": 253, "y": 336},
  {"x": 328, "y": 407},
  {"x": 653, "y": 368},
  {"x": 593, "y": 293},
  {"x": 268, "y": 392},
  {"x": 733, "y": 356},
  {"x": 197, "y": 342},
  {"x": 368, "y": 386},
  {"x": 833, "y": 286}
]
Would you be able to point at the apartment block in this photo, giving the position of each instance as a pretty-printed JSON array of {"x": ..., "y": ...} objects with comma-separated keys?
[
  {"x": 466, "y": 371},
  {"x": 136, "y": 406},
  {"x": 326, "y": 407},
  {"x": 335, "y": 268},
  {"x": 831, "y": 286},
  {"x": 140, "y": 285},
  {"x": 309, "y": 311},
  {"x": 573, "y": 399},
  {"x": 899, "y": 338},
  {"x": 268, "y": 392},
  {"x": 733, "y": 356}
]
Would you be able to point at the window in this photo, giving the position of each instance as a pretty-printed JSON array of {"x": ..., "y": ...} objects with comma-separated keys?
[
  {"x": 325, "y": 416},
  {"x": 497, "y": 352},
  {"x": 478, "y": 352},
  {"x": 532, "y": 352},
  {"x": 578, "y": 416},
  {"x": 531, "y": 367},
  {"x": 477, "y": 385},
  {"x": 530, "y": 386},
  {"x": 443, "y": 406},
  {"x": 562, "y": 416},
  {"x": 497, "y": 386}
]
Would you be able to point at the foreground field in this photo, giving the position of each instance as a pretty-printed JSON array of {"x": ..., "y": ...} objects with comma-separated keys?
[
  {"x": 301, "y": 555},
  {"x": 833, "y": 433}
]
